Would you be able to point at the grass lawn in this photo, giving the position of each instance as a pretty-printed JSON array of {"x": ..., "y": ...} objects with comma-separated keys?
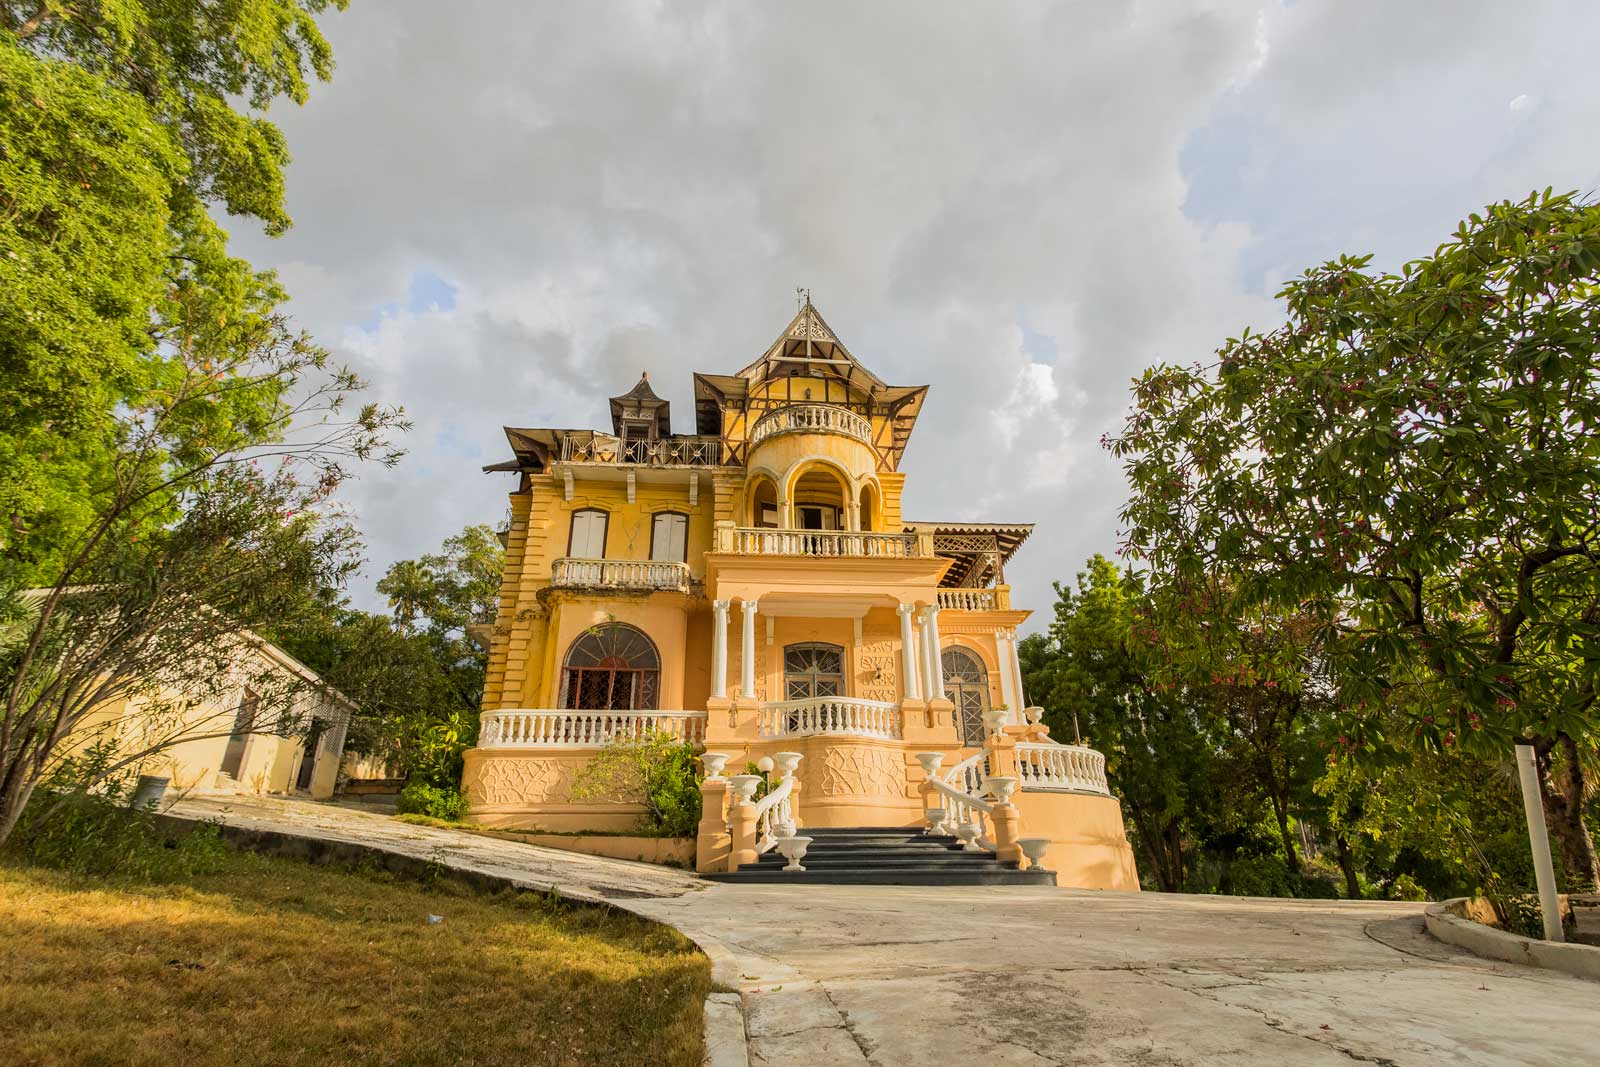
[{"x": 273, "y": 961}]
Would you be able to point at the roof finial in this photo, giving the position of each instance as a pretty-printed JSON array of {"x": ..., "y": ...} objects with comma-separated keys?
[{"x": 802, "y": 297}]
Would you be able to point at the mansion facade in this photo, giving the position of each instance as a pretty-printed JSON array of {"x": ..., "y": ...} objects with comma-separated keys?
[{"x": 754, "y": 589}]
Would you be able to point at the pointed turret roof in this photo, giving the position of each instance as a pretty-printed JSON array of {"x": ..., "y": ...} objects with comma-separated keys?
[
  {"x": 809, "y": 343},
  {"x": 641, "y": 402}
]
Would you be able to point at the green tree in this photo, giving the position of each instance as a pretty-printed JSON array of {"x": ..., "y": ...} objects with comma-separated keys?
[
  {"x": 1413, "y": 460},
  {"x": 123, "y": 123}
]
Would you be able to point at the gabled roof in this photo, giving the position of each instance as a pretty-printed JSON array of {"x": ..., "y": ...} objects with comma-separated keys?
[{"x": 810, "y": 344}]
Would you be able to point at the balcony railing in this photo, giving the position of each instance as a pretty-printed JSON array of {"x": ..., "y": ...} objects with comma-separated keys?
[
  {"x": 748, "y": 541},
  {"x": 667, "y": 452},
  {"x": 1061, "y": 768},
  {"x": 842, "y": 716},
  {"x": 968, "y": 599},
  {"x": 811, "y": 418},
  {"x": 627, "y": 574},
  {"x": 543, "y": 728}
]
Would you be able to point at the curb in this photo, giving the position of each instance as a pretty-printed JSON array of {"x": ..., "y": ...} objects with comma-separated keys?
[
  {"x": 1580, "y": 961},
  {"x": 723, "y": 1022}
]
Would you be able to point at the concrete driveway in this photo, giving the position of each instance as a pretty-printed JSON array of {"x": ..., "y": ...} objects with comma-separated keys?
[{"x": 999, "y": 975}]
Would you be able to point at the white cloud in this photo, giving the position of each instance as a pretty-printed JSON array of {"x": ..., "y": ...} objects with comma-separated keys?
[{"x": 613, "y": 188}]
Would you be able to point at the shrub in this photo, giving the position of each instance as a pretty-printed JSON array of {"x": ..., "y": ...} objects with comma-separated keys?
[
  {"x": 436, "y": 802},
  {"x": 95, "y": 834},
  {"x": 655, "y": 770}
]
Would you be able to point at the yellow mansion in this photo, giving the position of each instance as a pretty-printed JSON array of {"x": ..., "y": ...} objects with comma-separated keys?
[{"x": 754, "y": 589}]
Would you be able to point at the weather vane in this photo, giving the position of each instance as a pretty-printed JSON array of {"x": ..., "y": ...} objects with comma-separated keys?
[{"x": 802, "y": 296}]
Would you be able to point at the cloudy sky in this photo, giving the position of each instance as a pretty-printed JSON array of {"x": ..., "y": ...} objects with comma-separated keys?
[{"x": 504, "y": 212}]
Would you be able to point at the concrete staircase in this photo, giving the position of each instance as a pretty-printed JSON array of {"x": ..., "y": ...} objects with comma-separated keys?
[{"x": 884, "y": 855}]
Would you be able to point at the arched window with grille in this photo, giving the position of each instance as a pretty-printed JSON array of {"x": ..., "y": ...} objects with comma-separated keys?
[
  {"x": 966, "y": 685},
  {"x": 813, "y": 669},
  {"x": 614, "y": 667}
]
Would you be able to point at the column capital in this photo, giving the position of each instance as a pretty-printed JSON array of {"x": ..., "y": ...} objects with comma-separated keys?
[
  {"x": 905, "y": 609},
  {"x": 720, "y": 606},
  {"x": 747, "y": 605}
]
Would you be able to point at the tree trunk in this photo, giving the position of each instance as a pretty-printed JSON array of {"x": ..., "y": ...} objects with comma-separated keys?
[
  {"x": 1280, "y": 808},
  {"x": 1563, "y": 809},
  {"x": 1347, "y": 864},
  {"x": 1156, "y": 847}
]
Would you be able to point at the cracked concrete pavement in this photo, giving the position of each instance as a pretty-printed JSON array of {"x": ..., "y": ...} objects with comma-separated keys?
[{"x": 977, "y": 975}]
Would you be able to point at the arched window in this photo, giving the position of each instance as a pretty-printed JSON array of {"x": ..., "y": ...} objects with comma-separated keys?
[
  {"x": 813, "y": 670},
  {"x": 966, "y": 685},
  {"x": 669, "y": 537},
  {"x": 588, "y": 539},
  {"x": 614, "y": 667}
]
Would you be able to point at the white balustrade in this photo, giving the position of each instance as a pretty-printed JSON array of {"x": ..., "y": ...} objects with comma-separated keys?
[
  {"x": 811, "y": 418},
  {"x": 967, "y": 600},
  {"x": 1061, "y": 768},
  {"x": 844, "y": 716},
  {"x": 962, "y": 790},
  {"x": 760, "y": 541},
  {"x": 775, "y": 812},
  {"x": 549, "y": 728},
  {"x": 619, "y": 574}
]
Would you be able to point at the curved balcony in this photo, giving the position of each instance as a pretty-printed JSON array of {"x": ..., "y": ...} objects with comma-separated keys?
[
  {"x": 840, "y": 716},
  {"x": 560, "y": 728},
  {"x": 1056, "y": 768},
  {"x": 643, "y": 575},
  {"x": 811, "y": 418}
]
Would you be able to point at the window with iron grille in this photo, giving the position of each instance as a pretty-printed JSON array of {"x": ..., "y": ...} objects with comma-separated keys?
[
  {"x": 966, "y": 685},
  {"x": 813, "y": 670},
  {"x": 614, "y": 667}
]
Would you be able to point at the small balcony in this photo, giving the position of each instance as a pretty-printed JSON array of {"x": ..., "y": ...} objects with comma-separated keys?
[
  {"x": 836, "y": 716},
  {"x": 975, "y": 599},
  {"x": 626, "y": 575},
  {"x": 827, "y": 544},
  {"x": 590, "y": 447},
  {"x": 812, "y": 418}
]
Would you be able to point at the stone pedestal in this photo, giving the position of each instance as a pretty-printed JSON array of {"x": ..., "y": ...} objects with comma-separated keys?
[{"x": 712, "y": 841}]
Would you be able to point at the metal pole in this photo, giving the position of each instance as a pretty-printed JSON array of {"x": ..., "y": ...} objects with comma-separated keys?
[{"x": 1539, "y": 838}]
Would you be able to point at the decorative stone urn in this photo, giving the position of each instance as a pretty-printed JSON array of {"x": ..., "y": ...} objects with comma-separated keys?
[
  {"x": 1034, "y": 848},
  {"x": 1035, "y": 715},
  {"x": 930, "y": 762},
  {"x": 1002, "y": 788},
  {"x": 968, "y": 833},
  {"x": 744, "y": 787},
  {"x": 713, "y": 762},
  {"x": 787, "y": 763},
  {"x": 935, "y": 817},
  {"x": 993, "y": 719},
  {"x": 794, "y": 850}
]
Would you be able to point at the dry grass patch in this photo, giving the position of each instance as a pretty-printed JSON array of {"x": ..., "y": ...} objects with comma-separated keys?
[{"x": 272, "y": 961}]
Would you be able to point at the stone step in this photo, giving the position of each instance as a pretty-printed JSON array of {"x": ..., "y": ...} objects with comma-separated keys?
[{"x": 996, "y": 875}]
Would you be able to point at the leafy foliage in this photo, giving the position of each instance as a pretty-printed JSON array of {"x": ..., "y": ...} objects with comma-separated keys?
[
  {"x": 436, "y": 802},
  {"x": 655, "y": 770},
  {"x": 1412, "y": 461}
]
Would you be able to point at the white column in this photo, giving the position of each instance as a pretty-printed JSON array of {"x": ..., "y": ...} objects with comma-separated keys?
[
  {"x": 1016, "y": 681},
  {"x": 937, "y": 659},
  {"x": 719, "y": 650},
  {"x": 930, "y": 676},
  {"x": 1008, "y": 690},
  {"x": 909, "y": 689},
  {"x": 747, "y": 650}
]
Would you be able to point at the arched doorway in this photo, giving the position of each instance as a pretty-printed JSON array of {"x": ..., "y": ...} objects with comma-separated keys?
[
  {"x": 966, "y": 685},
  {"x": 614, "y": 667}
]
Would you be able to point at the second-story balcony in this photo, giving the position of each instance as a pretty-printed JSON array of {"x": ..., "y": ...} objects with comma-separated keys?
[
  {"x": 829, "y": 544},
  {"x": 627, "y": 575},
  {"x": 811, "y": 418},
  {"x": 594, "y": 447}
]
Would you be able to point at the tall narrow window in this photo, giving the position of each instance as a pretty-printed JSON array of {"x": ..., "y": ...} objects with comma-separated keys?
[
  {"x": 588, "y": 539},
  {"x": 669, "y": 537},
  {"x": 966, "y": 685}
]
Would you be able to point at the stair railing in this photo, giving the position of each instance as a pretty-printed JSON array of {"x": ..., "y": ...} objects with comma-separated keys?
[
  {"x": 965, "y": 791},
  {"x": 775, "y": 816}
]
